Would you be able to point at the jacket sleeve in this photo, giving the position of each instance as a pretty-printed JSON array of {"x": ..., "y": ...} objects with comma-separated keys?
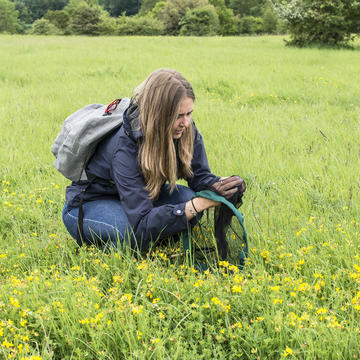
[
  {"x": 202, "y": 176},
  {"x": 147, "y": 222}
]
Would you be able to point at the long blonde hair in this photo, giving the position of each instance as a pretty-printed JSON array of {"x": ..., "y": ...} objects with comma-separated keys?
[{"x": 161, "y": 157}]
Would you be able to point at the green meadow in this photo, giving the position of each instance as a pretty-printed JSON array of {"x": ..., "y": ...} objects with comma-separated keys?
[{"x": 286, "y": 120}]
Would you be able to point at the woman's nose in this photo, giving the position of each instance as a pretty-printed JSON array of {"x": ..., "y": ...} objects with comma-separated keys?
[{"x": 187, "y": 120}]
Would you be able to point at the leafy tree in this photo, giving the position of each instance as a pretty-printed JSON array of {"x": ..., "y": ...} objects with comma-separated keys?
[
  {"x": 59, "y": 18},
  {"x": 73, "y": 5},
  {"x": 158, "y": 10},
  {"x": 56, "y": 4},
  {"x": 85, "y": 21},
  {"x": 200, "y": 21},
  {"x": 353, "y": 16},
  {"x": 174, "y": 11},
  {"x": 44, "y": 27},
  {"x": 250, "y": 25},
  {"x": 147, "y": 5},
  {"x": 227, "y": 20},
  {"x": 140, "y": 25},
  {"x": 270, "y": 20},
  {"x": 321, "y": 22},
  {"x": 107, "y": 25},
  {"x": 8, "y": 17},
  {"x": 36, "y": 9},
  {"x": 117, "y": 7},
  {"x": 247, "y": 7},
  {"x": 24, "y": 13}
]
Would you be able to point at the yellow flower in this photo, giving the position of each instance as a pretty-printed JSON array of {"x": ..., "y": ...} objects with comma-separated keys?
[
  {"x": 215, "y": 300},
  {"x": 137, "y": 309},
  {"x": 7, "y": 344},
  {"x": 117, "y": 279},
  {"x": 288, "y": 351},
  {"x": 163, "y": 256},
  {"x": 233, "y": 268},
  {"x": 14, "y": 302},
  {"x": 322, "y": 311},
  {"x": 126, "y": 297},
  {"x": 236, "y": 289},
  {"x": 265, "y": 254},
  {"x": 142, "y": 265},
  {"x": 224, "y": 264},
  {"x": 97, "y": 318},
  {"x": 237, "y": 325},
  {"x": 299, "y": 263}
]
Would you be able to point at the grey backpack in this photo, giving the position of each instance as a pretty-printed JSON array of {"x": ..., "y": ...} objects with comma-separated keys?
[{"x": 81, "y": 133}]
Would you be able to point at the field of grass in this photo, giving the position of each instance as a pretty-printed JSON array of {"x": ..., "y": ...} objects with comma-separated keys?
[{"x": 286, "y": 120}]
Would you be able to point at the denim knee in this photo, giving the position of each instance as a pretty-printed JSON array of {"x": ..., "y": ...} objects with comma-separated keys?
[
  {"x": 71, "y": 224},
  {"x": 100, "y": 227}
]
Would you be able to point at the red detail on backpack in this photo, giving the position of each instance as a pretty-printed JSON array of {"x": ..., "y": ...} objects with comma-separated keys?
[{"x": 111, "y": 107}]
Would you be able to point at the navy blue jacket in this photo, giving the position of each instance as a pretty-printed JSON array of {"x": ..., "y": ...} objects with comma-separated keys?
[{"x": 116, "y": 161}]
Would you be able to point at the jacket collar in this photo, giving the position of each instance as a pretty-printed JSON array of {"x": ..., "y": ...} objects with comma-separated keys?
[{"x": 132, "y": 122}]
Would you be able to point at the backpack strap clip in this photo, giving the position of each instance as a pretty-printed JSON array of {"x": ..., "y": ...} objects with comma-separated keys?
[{"x": 112, "y": 107}]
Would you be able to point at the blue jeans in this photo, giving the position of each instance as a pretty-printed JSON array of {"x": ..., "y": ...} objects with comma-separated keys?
[{"x": 106, "y": 223}]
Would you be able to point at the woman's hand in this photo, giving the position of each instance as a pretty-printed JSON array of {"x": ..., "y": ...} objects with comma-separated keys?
[
  {"x": 227, "y": 187},
  {"x": 197, "y": 205}
]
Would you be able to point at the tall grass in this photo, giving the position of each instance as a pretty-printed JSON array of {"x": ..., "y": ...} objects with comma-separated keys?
[{"x": 286, "y": 120}]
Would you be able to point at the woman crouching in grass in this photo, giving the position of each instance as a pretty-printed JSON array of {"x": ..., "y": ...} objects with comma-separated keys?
[{"x": 136, "y": 199}]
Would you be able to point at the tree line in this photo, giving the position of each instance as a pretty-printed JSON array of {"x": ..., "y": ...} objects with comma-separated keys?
[
  {"x": 329, "y": 22},
  {"x": 139, "y": 17}
]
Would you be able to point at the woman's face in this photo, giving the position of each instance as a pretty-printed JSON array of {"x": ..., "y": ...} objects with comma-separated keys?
[{"x": 184, "y": 118}]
